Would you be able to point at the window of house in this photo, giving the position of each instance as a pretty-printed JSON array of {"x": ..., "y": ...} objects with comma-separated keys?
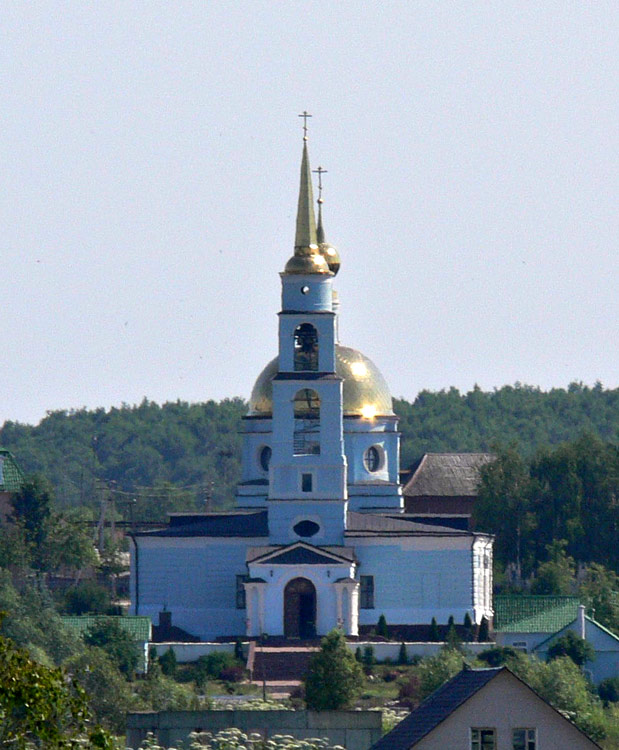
[
  {"x": 265, "y": 457},
  {"x": 240, "y": 591},
  {"x": 483, "y": 739},
  {"x": 306, "y": 482},
  {"x": 366, "y": 592},
  {"x": 305, "y": 348},
  {"x": 373, "y": 458},
  {"x": 524, "y": 739},
  {"x": 520, "y": 646}
]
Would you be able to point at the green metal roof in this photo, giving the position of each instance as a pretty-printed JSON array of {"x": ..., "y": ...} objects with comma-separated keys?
[
  {"x": 534, "y": 614},
  {"x": 138, "y": 626},
  {"x": 11, "y": 476}
]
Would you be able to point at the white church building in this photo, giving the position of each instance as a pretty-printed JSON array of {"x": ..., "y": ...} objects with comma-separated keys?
[{"x": 319, "y": 538}]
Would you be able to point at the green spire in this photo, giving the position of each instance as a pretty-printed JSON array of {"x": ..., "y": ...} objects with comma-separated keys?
[{"x": 306, "y": 221}]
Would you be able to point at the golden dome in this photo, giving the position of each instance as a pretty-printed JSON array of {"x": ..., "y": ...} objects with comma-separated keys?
[
  {"x": 331, "y": 255},
  {"x": 307, "y": 260},
  {"x": 366, "y": 393}
]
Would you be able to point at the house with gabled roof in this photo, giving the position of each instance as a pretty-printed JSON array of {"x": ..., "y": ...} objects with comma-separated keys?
[
  {"x": 485, "y": 709},
  {"x": 604, "y": 642},
  {"x": 524, "y": 621},
  {"x": 442, "y": 487}
]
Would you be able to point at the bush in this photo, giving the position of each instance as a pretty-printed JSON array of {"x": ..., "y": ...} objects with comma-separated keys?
[
  {"x": 578, "y": 650},
  {"x": 167, "y": 662},
  {"x": 233, "y": 673},
  {"x": 88, "y": 598},
  {"x": 368, "y": 659},
  {"x": 496, "y": 657},
  {"x": 608, "y": 690},
  {"x": 211, "y": 666},
  {"x": 109, "y": 635},
  {"x": 409, "y": 691}
]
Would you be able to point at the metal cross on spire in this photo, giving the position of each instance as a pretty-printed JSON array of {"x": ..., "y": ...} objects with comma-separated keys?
[
  {"x": 305, "y": 115},
  {"x": 320, "y": 171}
]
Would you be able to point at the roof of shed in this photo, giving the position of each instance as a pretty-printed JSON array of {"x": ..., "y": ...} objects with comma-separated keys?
[
  {"x": 447, "y": 475},
  {"x": 533, "y": 614},
  {"x": 138, "y": 626},
  {"x": 11, "y": 476}
]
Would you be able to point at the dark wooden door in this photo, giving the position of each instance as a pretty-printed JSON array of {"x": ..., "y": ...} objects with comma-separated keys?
[{"x": 300, "y": 609}]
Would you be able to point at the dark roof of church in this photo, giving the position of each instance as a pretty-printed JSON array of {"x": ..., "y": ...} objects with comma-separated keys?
[
  {"x": 236, "y": 523},
  {"x": 447, "y": 475},
  {"x": 385, "y": 523},
  {"x": 436, "y": 708},
  {"x": 11, "y": 476}
]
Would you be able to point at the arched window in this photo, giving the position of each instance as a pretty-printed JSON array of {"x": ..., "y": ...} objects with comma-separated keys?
[
  {"x": 305, "y": 347},
  {"x": 306, "y": 439}
]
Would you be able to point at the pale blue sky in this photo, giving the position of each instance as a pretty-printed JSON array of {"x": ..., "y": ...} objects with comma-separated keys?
[{"x": 149, "y": 171}]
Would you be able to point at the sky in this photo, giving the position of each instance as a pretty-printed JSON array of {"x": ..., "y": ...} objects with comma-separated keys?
[{"x": 149, "y": 168}]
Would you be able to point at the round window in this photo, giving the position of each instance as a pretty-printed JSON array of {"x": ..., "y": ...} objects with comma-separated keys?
[
  {"x": 265, "y": 457},
  {"x": 306, "y": 528},
  {"x": 373, "y": 458},
  {"x": 304, "y": 289}
]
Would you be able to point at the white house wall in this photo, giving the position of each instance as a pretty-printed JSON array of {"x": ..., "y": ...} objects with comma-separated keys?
[
  {"x": 195, "y": 580},
  {"x": 416, "y": 580}
]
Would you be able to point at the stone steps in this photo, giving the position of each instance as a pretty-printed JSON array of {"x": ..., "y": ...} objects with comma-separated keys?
[{"x": 284, "y": 665}]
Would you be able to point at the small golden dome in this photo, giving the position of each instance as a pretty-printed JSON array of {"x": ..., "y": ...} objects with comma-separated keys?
[
  {"x": 331, "y": 255},
  {"x": 307, "y": 260},
  {"x": 365, "y": 392}
]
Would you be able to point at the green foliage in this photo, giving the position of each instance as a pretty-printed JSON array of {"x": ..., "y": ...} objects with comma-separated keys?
[
  {"x": 381, "y": 627},
  {"x": 88, "y": 598},
  {"x": 436, "y": 670},
  {"x": 368, "y": 658},
  {"x": 167, "y": 661},
  {"x": 562, "y": 684},
  {"x": 566, "y": 493},
  {"x": 556, "y": 575},
  {"x": 212, "y": 666},
  {"x": 358, "y": 655},
  {"x": 499, "y": 655},
  {"x": 334, "y": 676},
  {"x": 109, "y": 635},
  {"x": 111, "y": 696},
  {"x": 434, "y": 635},
  {"x": 39, "y": 707},
  {"x": 452, "y": 639},
  {"x": 599, "y": 588},
  {"x": 608, "y": 690},
  {"x": 571, "y": 645}
]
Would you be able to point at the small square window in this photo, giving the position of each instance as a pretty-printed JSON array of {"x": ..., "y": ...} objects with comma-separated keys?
[
  {"x": 524, "y": 739},
  {"x": 240, "y": 591},
  {"x": 306, "y": 482},
  {"x": 483, "y": 739}
]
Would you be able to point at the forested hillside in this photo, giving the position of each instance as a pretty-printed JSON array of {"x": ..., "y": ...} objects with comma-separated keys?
[{"x": 173, "y": 456}]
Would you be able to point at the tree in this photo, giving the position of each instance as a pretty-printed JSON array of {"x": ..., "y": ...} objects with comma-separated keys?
[
  {"x": 88, "y": 598},
  {"x": 40, "y": 707},
  {"x": 434, "y": 634},
  {"x": 600, "y": 589},
  {"x": 402, "y": 654},
  {"x": 334, "y": 677},
  {"x": 499, "y": 655},
  {"x": 109, "y": 635},
  {"x": 556, "y": 575},
  {"x": 381, "y": 628},
  {"x": 436, "y": 670},
  {"x": 167, "y": 660},
  {"x": 578, "y": 649},
  {"x": 468, "y": 627},
  {"x": 484, "y": 630}
]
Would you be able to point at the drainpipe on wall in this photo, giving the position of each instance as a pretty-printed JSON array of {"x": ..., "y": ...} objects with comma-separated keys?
[
  {"x": 581, "y": 621},
  {"x": 136, "y": 604}
]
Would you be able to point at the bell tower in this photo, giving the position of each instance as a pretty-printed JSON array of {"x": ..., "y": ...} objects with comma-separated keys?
[{"x": 307, "y": 473}]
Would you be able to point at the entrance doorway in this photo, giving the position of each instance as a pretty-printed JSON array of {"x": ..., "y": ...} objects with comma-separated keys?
[{"x": 300, "y": 609}]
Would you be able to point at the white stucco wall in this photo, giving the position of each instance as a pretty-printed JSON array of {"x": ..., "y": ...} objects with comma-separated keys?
[{"x": 417, "y": 578}]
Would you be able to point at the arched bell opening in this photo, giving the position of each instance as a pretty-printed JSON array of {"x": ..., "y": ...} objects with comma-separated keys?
[
  {"x": 306, "y": 439},
  {"x": 305, "y": 348},
  {"x": 300, "y": 609}
]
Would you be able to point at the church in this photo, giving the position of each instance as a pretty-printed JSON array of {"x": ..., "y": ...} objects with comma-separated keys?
[{"x": 319, "y": 538}]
